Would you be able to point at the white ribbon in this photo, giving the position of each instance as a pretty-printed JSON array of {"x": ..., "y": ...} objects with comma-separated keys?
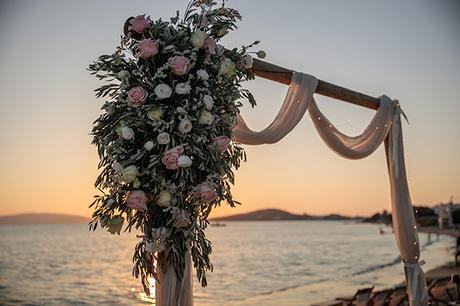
[
  {"x": 395, "y": 133},
  {"x": 416, "y": 271}
]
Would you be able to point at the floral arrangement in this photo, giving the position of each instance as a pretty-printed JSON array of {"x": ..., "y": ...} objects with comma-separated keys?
[{"x": 165, "y": 135}]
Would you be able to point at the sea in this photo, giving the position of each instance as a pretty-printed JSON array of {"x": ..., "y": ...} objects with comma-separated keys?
[{"x": 286, "y": 263}]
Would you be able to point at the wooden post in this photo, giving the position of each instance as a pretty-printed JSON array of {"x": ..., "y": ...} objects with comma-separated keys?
[{"x": 282, "y": 75}]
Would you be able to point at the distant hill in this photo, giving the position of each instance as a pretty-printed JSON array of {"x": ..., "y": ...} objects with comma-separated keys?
[
  {"x": 278, "y": 214},
  {"x": 36, "y": 218}
]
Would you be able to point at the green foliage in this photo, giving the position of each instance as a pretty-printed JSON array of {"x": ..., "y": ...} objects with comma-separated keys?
[{"x": 123, "y": 71}]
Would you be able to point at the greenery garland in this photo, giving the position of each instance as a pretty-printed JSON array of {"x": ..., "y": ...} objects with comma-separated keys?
[{"x": 165, "y": 135}]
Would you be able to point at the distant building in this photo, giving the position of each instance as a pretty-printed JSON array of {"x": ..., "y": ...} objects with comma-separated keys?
[{"x": 445, "y": 212}]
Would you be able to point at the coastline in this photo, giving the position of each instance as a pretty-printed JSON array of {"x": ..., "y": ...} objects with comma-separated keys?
[{"x": 437, "y": 255}]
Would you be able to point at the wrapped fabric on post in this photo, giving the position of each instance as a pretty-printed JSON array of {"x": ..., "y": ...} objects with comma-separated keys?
[{"x": 173, "y": 291}]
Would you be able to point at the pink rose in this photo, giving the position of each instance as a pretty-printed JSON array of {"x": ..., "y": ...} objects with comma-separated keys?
[
  {"x": 171, "y": 157},
  {"x": 180, "y": 65},
  {"x": 147, "y": 48},
  {"x": 137, "y": 200},
  {"x": 137, "y": 96},
  {"x": 221, "y": 143},
  {"x": 139, "y": 24},
  {"x": 206, "y": 192},
  {"x": 210, "y": 45}
]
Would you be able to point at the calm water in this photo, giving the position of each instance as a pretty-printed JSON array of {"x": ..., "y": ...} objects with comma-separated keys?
[{"x": 255, "y": 263}]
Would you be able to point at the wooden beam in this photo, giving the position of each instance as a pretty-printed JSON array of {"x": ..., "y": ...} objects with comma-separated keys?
[{"x": 282, "y": 75}]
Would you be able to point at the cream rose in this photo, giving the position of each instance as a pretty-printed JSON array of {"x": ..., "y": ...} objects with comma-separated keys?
[
  {"x": 164, "y": 198},
  {"x": 129, "y": 174},
  {"x": 185, "y": 126},
  {"x": 163, "y": 138},
  {"x": 227, "y": 67},
  {"x": 155, "y": 114},
  {"x": 206, "y": 118},
  {"x": 198, "y": 38}
]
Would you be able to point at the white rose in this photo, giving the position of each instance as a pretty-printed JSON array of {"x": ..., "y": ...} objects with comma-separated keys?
[
  {"x": 208, "y": 102},
  {"x": 117, "y": 167},
  {"x": 248, "y": 61},
  {"x": 227, "y": 67},
  {"x": 164, "y": 198},
  {"x": 129, "y": 174},
  {"x": 183, "y": 88},
  {"x": 185, "y": 126},
  {"x": 206, "y": 118},
  {"x": 202, "y": 75},
  {"x": 198, "y": 38},
  {"x": 127, "y": 133},
  {"x": 148, "y": 145},
  {"x": 184, "y": 161},
  {"x": 163, "y": 138},
  {"x": 163, "y": 91}
]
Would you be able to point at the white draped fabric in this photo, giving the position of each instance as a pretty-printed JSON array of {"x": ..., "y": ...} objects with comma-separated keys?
[
  {"x": 384, "y": 127},
  {"x": 173, "y": 291},
  {"x": 298, "y": 97}
]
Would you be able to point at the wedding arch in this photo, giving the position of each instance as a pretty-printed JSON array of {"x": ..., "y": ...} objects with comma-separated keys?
[{"x": 169, "y": 139}]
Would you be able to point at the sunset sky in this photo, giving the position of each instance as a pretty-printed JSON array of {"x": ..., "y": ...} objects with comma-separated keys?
[{"x": 408, "y": 50}]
